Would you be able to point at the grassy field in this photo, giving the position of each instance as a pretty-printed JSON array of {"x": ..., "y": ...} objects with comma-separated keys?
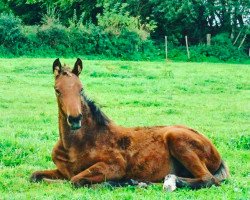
[{"x": 212, "y": 98}]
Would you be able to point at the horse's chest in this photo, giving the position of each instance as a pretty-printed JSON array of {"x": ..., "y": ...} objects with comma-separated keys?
[
  {"x": 72, "y": 161},
  {"x": 79, "y": 160}
]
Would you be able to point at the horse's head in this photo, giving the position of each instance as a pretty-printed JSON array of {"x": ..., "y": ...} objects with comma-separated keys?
[{"x": 68, "y": 89}]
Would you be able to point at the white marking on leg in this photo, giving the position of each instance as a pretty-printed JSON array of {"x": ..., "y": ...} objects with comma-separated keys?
[
  {"x": 142, "y": 185},
  {"x": 169, "y": 184}
]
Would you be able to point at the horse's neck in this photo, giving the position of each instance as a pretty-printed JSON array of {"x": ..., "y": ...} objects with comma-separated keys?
[{"x": 70, "y": 137}]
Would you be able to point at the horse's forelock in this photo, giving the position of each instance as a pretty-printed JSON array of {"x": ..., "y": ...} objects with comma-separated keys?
[{"x": 66, "y": 71}]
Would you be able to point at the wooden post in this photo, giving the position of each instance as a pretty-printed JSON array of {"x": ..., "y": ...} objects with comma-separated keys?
[
  {"x": 166, "y": 47},
  {"x": 237, "y": 37},
  {"x": 208, "y": 39},
  {"x": 232, "y": 36},
  {"x": 242, "y": 41},
  {"x": 188, "y": 54}
]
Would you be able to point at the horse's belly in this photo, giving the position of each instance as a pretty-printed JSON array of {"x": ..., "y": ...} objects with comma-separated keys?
[{"x": 150, "y": 165}]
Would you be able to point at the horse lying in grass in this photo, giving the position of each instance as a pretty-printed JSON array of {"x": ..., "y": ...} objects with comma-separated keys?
[{"x": 93, "y": 149}]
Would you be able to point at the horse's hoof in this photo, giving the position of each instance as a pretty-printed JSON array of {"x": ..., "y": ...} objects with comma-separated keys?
[
  {"x": 169, "y": 184},
  {"x": 78, "y": 183},
  {"x": 36, "y": 177}
]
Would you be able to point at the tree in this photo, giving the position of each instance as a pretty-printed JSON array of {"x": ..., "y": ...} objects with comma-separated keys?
[{"x": 174, "y": 18}]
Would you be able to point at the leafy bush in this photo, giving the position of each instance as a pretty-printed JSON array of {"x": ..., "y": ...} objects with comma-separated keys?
[
  {"x": 11, "y": 36},
  {"x": 79, "y": 40},
  {"x": 177, "y": 53},
  {"x": 123, "y": 35},
  {"x": 115, "y": 20},
  {"x": 55, "y": 36},
  {"x": 125, "y": 38},
  {"x": 221, "y": 49},
  {"x": 221, "y": 40}
]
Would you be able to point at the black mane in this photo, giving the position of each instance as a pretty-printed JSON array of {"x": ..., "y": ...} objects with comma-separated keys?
[{"x": 100, "y": 118}]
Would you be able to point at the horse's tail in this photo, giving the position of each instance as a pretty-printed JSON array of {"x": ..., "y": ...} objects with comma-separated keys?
[{"x": 223, "y": 172}]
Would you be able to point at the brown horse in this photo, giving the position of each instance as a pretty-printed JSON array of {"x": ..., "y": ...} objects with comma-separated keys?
[{"x": 93, "y": 149}]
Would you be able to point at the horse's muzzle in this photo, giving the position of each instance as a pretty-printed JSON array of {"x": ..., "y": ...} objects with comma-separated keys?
[
  {"x": 75, "y": 126},
  {"x": 75, "y": 122}
]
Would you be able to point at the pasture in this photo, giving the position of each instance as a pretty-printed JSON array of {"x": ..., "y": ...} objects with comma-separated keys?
[{"x": 212, "y": 98}]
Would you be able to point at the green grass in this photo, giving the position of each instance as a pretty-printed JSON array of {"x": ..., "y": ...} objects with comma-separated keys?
[{"x": 212, "y": 98}]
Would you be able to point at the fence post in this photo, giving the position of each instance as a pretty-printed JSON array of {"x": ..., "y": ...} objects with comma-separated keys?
[
  {"x": 242, "y": 41},
  {"x": 166, "y": 47},
  {"x": 237, "y": 37},
  {"x": 188, "y": 54},
  {"x": 208, "y": 39}
]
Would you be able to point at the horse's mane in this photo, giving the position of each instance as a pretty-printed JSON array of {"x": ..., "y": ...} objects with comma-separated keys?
[{"x": 100, "y": 118}]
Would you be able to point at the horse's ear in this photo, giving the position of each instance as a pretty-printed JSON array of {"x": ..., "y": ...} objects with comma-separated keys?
[
  {"x": 57, "y": 67},
  {"x": 78, "y": 67}
]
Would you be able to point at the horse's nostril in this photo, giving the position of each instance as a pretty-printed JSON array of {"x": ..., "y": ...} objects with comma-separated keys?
[
  {"x": 74, "y": 119},
  {"x": 70, "y": 119}
]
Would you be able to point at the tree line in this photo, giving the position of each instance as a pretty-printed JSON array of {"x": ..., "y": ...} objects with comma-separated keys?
[
  {"x": 149, "y": 18},
  {"x": 174, "y": 18}
]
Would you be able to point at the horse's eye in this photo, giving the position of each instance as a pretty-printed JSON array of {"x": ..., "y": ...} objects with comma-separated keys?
[
  {"x": 81, "y": 91},
  {"x": 57, "y": 92}
]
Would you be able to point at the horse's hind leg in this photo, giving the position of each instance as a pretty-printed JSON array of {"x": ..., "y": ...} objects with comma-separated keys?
[
  {"x": 196, "y": 183},
  {"x": 189, "y": 159},
  {"x": 203, "y": 178},
  {"x": 172, "y": 182}
]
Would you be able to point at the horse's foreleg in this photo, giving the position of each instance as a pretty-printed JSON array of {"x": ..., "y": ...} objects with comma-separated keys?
[
  {"x": 46, "y": 174},
  {"x": 97, "y": 173}
]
